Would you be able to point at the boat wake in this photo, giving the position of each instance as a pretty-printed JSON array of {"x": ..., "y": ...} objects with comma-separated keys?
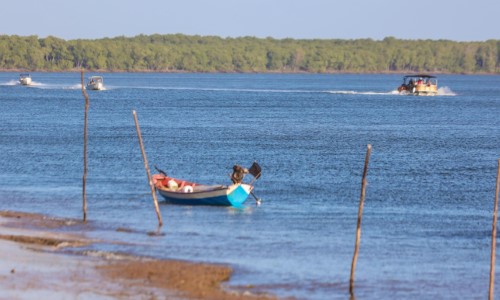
[
  {"x": 445, "y": 91},
  {"x": 363, "y": 93},
  {"x": 209, "y": 89},
  {"x": 213, "y": 89},
  {"x": 36, "y": 84},
  {"x": 16, "y": 82},
  {"x": 73, "y": 87},
  {"x": 44, "y": 86},
  {"x": 12, "y": 82}
]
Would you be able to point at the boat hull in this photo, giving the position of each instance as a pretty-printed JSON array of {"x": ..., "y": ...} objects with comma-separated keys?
[
  {"x": 425, "y": 90},
  {"x": 25, "y": 81},
  {"x": 234, "y": 195},
  {"x": 95, "y": 86}
]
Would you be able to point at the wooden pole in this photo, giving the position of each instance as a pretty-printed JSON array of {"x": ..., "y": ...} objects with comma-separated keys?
[
  {"x": 494, "y": 237},
  {"x": 85, "y": 126},
  {"x": 360, "y": 214},
  {"x": 146, "y": 166}
]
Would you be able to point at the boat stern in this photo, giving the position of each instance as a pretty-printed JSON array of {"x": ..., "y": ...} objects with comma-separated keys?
[{"x": 426, "y": 89}]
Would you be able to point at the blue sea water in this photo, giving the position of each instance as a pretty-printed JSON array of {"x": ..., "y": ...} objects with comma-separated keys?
[{"x": 426, "y": 230}]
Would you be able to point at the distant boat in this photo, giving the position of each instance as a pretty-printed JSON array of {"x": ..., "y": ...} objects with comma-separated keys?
[
  {"x": 95, "y": 83},
  {"x": 419, "y": 85},
  {"x": 25, "y": 79},
  {"x": 178, "y": 191}
]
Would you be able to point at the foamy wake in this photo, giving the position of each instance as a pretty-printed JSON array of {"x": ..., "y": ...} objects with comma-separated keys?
[
  {"x": 16, "y": 82},
  {"x": 12, "y": 82},
  {"x": 362, "y": 93},
  {"x": 36, "y": 83},
  {"x": 445, "y": 91},
  {"x": 73, "y": 87}
]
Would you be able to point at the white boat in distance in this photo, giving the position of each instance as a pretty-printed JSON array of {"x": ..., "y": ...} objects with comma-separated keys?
[
  {"x": 25, "y": 79},
  {"x": 95, "y": 83}
]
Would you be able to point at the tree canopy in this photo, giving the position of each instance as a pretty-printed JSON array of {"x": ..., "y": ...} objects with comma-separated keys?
[{"x": 185, "y": 53}]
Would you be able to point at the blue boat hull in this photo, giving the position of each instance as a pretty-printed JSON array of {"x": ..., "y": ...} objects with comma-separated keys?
[{"x": 234, "y": 195}]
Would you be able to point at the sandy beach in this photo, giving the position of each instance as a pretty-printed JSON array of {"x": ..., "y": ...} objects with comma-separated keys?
[{"x": 35, "y": 264}]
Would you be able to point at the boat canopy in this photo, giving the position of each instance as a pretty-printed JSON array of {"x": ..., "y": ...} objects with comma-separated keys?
[
  {"x": 420, "y": 76},
  {"x": 95, "y": 78}
]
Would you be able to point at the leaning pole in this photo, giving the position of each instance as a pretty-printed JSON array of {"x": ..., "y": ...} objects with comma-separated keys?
[
  {"x": 146, "y": 166},
  {"x": 360, "y": 215}
]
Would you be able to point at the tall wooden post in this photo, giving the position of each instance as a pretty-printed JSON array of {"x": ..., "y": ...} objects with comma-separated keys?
[
  {"x": 494, "y": 237},
  {"x": 360, "y": 214},
  {"x": 146, "y": 166},
  {"x": 85, "y": 126}
]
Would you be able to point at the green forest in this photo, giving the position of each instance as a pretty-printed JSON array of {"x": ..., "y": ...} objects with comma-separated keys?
[{"x": 186, "y": 53}]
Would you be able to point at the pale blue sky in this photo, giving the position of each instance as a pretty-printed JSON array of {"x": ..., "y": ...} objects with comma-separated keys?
[{"x": 476, "y": 20}]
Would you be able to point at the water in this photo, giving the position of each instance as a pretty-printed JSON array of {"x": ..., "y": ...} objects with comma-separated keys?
[{"x": 426, "y": 230}]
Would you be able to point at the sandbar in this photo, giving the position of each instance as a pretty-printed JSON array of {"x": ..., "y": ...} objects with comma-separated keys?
[{"x": 34, "y": 264}]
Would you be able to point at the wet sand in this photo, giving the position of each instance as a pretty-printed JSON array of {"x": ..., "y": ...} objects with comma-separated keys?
[{"x": 35, "y": 265}]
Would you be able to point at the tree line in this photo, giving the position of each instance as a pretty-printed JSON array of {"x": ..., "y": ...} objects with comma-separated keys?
[{"x": 186, "y": 53}]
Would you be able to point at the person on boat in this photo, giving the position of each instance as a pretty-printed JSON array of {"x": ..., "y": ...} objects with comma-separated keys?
[
  {"x": 238, "y": 174},
  {"x": 420, "y": 81}
]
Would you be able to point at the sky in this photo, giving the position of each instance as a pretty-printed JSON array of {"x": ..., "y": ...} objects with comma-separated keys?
[{"x": 459, "y": 20}]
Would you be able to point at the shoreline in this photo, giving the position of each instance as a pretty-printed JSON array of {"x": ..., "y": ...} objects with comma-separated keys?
[{"x": 35, "y": 263}]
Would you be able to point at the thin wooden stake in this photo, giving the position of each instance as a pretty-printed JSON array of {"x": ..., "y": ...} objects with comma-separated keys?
[
  {"x": 85, "y": 126},
  {"x": 146, "y": 166},
  {"x": 494, "y": 237},
  {"x": 360, "y": 214}
]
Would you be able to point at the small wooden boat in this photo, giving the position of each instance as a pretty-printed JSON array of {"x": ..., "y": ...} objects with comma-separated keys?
[
  {"x": 25, "y": 79},
  {"x": 178, "y": 191},
  {"x": 95, "y": 83},
  {"x": 419, "y": 85}
]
